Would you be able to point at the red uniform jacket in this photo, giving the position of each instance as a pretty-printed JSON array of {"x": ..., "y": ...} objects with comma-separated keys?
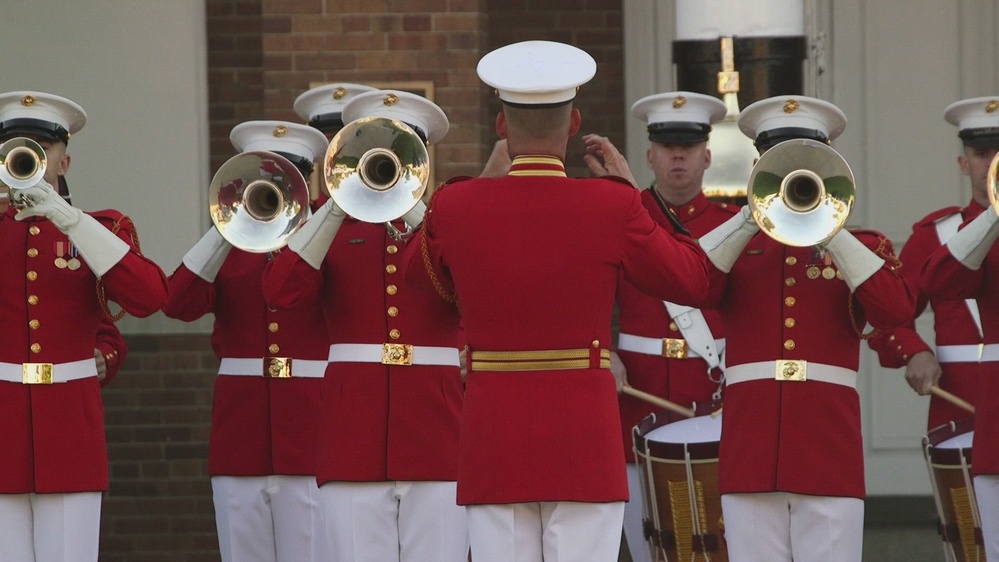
[
  {"x": 379, "y": 422},
  {"x": 946, "y": 278},
  {"x": 952, "y": 320},
  {"x": 260, "y": 425},
  {"x": 534, "y": 260},
  {"x": 798, "y": 437},
  {"x": 53, "y": 438},
  {"x": 683, "y": 381}
]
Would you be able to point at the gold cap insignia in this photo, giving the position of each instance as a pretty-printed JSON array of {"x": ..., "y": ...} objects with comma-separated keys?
[
  {"x": 679, "y": 102},
  {"x": 339, "y": 93},
  {"x": 791, "y": 106},
  {"x": 280, "y": 131},
  {"x": 28, "y": 101},
  {"x": 991, "y": 106},
  {"x": 390, "y": 99}
]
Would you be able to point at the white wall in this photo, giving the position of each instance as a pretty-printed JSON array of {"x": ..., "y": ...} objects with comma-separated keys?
[{"x": 138, "y": 68}]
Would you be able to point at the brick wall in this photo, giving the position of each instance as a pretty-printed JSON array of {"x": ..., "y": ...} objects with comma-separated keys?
[
  {"x": 157, "y": 413},
  {"x": 262, "y": 54},
  {"x": 592, "y": 25}
]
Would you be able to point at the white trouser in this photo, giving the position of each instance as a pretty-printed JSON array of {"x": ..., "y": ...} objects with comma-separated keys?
[
  {"x": 987, "y": 495},
  {"x": 634, "y": 532},
  {"x": 50, "y": 527},
  {"x": 269, "y": 519},
  {"x": 780, "y": 527},
  {"x": 546, "y": 531},
  {"x": 395, "y": 521}
]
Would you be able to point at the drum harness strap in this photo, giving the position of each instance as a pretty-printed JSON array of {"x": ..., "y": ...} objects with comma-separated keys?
[{"x": 696, "y": 331}]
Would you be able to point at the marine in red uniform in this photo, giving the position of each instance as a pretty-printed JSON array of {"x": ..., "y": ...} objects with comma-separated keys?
[
  {"x": 61, "y": 267},
  {"x": 953, "y": 363},
  {"x": 392, "y": 391},
  {"x": 791, "y": 470},
  {"x": 265, "y": 404},
  {"x": 532, "y": 260},
  {"x": 668, "y": 350},
  {"x": 966, "y": 268}
]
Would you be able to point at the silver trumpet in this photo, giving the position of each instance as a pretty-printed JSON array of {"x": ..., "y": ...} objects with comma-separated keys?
[
  {"x": 801, "y": 192},
  {"x": 377, "y": 169},
  {"x": 257, "y": 200}
]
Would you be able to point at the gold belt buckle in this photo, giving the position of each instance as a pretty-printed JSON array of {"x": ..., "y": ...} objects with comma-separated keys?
[
  {"x": 675, "y": 348},
  {"x": 36, "y": 373},
  {"x": 277, "y": 367},
  {"x": 794, "y": 370},
  {"x": 397, "y": 354}
]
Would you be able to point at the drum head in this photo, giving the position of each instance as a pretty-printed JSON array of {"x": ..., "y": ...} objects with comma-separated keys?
[{"x": 948, "y": 443}]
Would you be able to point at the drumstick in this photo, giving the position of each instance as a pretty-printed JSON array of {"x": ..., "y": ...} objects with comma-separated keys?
[
  {"x": 716, "y": 413},
  {"x": 661, "y": 402},
  {"x": 955, "y": 400}
]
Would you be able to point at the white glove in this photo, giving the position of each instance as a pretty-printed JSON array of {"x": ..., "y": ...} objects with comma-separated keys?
[
  {"x": 206, "y": 257},
  {"x": 414, "y": 217},
  {"x": 313, "y": 240},
  {"x": 724, "y": 244},
  {"x": 100, "y": 248},
  {"x": 42, "y": 200},
  {"x": 972, "y": 243},
  {"x": 856, "y": 262}
]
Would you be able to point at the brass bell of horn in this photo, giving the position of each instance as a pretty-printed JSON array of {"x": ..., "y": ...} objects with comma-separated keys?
[
  {"x": 993, "y": 183},
  {"x": 801, "y": 192},
  {"x": 376, "y": 169},
  {"x": 22, "y": 162},
  {"x": 257, "y": 200}
]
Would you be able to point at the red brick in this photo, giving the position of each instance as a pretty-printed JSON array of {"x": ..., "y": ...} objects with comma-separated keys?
[{"x": 292, "y": 7}]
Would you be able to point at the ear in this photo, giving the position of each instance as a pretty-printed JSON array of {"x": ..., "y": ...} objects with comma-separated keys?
[
  {"x": 707, "y": 158},
  {"x": 648, "y": 158},
  {"x": 64, "y": 165},
  {"x": 575, "y": 119},
  {"x": 964, "y": 164},
  {"x": 501, "y": 125}
]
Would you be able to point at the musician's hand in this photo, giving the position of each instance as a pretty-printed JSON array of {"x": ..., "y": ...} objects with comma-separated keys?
[
  {"x": 603, "y": 159},
  {"x": 619, "y": 372},
  {"x": 923, "y": 372},
  {"x": 499, "y": 161},
  {"x": 42, "y": 199},
  {"x": 102, "y": 364}
]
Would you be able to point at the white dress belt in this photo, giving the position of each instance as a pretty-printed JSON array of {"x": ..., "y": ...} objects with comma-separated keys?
[
  {"x": 48, "y": 373},
  {"x": 654, "y": 346},
  {"x": 255, "y": 367},
  {"x": 393, "y": 354},
  {"x": 990, "y": 352},
  {"x": 958, "y": 353},
  {"x": 768, "y": 370}
]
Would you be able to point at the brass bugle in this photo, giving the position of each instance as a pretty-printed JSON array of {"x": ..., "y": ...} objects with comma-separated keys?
[
  {"x": 376, "y": 169},
  {"x": 22, "y": 162},
  {"x": 257, "y": 200},
  {"x": 801, "y": 192}
]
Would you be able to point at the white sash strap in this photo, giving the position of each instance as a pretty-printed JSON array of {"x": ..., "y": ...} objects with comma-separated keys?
[
  {"x": 767, "y": 370},
  {"x": 48, "y": 373},
  {"x": 393, "y": 354},
  {"x": 990, "y": 352},
  {"x": 656, "y": 346},
  {"x": 255, "y": 367},
  {"x": 947, "y": 227},
  {"x": 958, "y": 353}
]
